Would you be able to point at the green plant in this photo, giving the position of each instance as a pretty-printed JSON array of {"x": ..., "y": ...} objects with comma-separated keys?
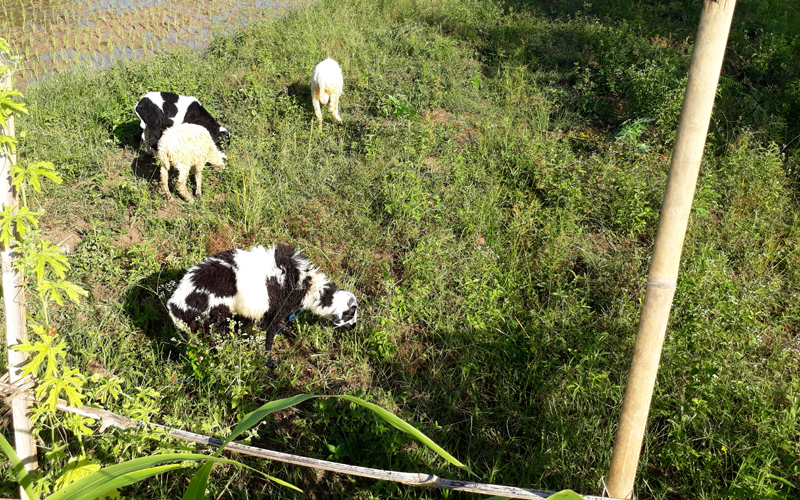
[{"x": 91, "y": 483}]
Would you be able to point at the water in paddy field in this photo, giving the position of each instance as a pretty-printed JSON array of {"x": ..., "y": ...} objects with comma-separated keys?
[{"x": 51, "y": 36}]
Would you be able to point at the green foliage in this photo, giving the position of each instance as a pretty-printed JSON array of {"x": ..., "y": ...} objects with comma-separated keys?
[
  {"x": 8, "y": 106},
  {"x": 29, "y": 175},
  {"x": 47, "y": 354},
  {"x": 44, "y": 255},
  {"x": 23, "y": 222},
  {"x": 52, "y": 290}
]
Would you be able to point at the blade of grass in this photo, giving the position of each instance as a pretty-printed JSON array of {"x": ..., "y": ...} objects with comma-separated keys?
[
  {"x": 200, "y": 479},
  {"x": 19, "y": 468},
  {"x": 126, "y": 473},
  {"x": 407, "y": 428}
]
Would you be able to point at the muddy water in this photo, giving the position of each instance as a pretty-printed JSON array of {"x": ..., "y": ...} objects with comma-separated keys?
[{"x": 54, "y": 35}]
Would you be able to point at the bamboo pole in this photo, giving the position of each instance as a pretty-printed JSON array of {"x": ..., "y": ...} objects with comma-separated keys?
[
  {"x": 14, "y": 308},
  {"x": 712, "y": 36}
]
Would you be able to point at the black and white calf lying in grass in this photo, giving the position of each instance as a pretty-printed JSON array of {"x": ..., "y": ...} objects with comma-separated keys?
[
  {"x": 158, "y": 111},
  {"x": 262, "y": 287}
]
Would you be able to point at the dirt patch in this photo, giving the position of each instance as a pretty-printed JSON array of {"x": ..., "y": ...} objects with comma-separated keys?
[
  {"x": 131, "y": 236},
  {"x": 439, "y": 115},
  {"x": 68, "y": 236}
]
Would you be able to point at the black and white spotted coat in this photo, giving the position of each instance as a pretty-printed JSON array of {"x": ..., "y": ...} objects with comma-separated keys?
[
  {"x": 158, "y": 111},
  {"x": 262, "y": 287}
]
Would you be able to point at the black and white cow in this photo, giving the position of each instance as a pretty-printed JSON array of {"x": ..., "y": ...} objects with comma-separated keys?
[
  {"x": 158, "y": 111},
  {"x": 262, "y": 286}
]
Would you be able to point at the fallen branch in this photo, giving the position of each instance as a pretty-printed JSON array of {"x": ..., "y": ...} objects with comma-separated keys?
[{"x": 109, "y": 419}]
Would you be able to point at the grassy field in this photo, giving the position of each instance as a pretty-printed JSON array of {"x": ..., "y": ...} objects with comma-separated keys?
[{"x": 491, "y": 199}]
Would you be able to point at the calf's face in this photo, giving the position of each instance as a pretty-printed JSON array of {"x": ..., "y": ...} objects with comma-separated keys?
[{"x": 345, "y": 309}]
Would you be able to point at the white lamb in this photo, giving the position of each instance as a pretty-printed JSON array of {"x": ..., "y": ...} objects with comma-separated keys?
[
  {"x": 187, "y": 147},
  {"x": 326, "y": 87}
]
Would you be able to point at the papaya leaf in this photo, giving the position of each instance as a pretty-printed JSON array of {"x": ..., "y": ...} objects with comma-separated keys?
[
  {"x": 8, "y": 106},
  {"x": 48, "y": 352},
  {"x": 8, "y": 143},
  {"x": 70, "y": 383},
  {"x": 23, "y": 221},
  {"x": 43, "y": 254},
  {"x": 51, "y": 290},
  {"x": 30, "y": 173}
]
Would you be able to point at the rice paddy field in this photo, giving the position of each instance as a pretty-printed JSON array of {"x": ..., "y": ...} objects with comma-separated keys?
[
  {"x": 491, "y": 199},
  {"x": 57, "y": 35}
]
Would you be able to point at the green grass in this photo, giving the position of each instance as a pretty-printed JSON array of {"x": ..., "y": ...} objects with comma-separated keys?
[{"x": 500, "y": 273}]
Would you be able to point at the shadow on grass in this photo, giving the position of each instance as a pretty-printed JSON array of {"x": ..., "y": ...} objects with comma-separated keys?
[
  {"x": 128, "y": 134},
  {"x": 146, "y": 305},
  {"x": 145, "y": 167}
]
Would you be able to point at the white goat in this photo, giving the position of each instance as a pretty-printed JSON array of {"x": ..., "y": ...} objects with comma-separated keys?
[
  {"x": 187, "y": 148},
  {"x": 326, "y": 87}
]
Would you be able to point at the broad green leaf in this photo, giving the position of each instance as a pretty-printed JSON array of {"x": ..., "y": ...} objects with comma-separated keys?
[
  {"x": 405, "y": 427},
  {"x": 76, "y": 470},
  {"x": 48, "y": 351},
  {"x": 46, "y": 254},
  {"x": 22, "y": 475},
  {"x": 7, "y": 143},
  {"x": 197, "y": 486},
  {"x": 8, "y": 107},
  {"x": 120, "y": 475},
  {"x": 30, "y": 173},
  {"x": 51, "y": 290},
  {"x": 200, "y": 479},
  {"x": 565, "y": 495},
  {"x": 258, "y": 415},
  {"x": 24, "y": 221},
  {"x": 70, "y": 383},
  {"x": 111, "y": 483}
]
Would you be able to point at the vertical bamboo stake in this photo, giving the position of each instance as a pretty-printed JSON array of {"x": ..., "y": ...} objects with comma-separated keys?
[
  {"x": 712, "y": 36},
  {"x": 14, "y": 308}
]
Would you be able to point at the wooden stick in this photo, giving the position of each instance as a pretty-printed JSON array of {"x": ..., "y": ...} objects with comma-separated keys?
[
  {"x": 709, "y": 50},
  {"x": 109, "y": 419},
  {"x": 14, "y": 306}
]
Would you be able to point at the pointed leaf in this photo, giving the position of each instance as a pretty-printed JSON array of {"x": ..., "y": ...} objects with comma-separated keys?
[
  {"x": 197, "y": 486},
  {"x": 30, "y": 173},
  {"x": 69, "y": 383},
  {"x": 120, "y": 475},
  {"x": 23, "y": 221},
  {"x": 22, "y": 474},
  {"x": 48, "y": 352},
  {"x": 45, "y": 254},
  {"x": 405, "y": 427},
  {"x": 200, "y": 478},
  {"x": 8, "y": 143},
  {"x": 51, "y": 290},
  {"x": 258, "y": 415}
]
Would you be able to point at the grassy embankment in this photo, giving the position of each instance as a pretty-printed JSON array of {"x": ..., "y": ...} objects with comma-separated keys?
[{"x": 500, "y": 274}]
